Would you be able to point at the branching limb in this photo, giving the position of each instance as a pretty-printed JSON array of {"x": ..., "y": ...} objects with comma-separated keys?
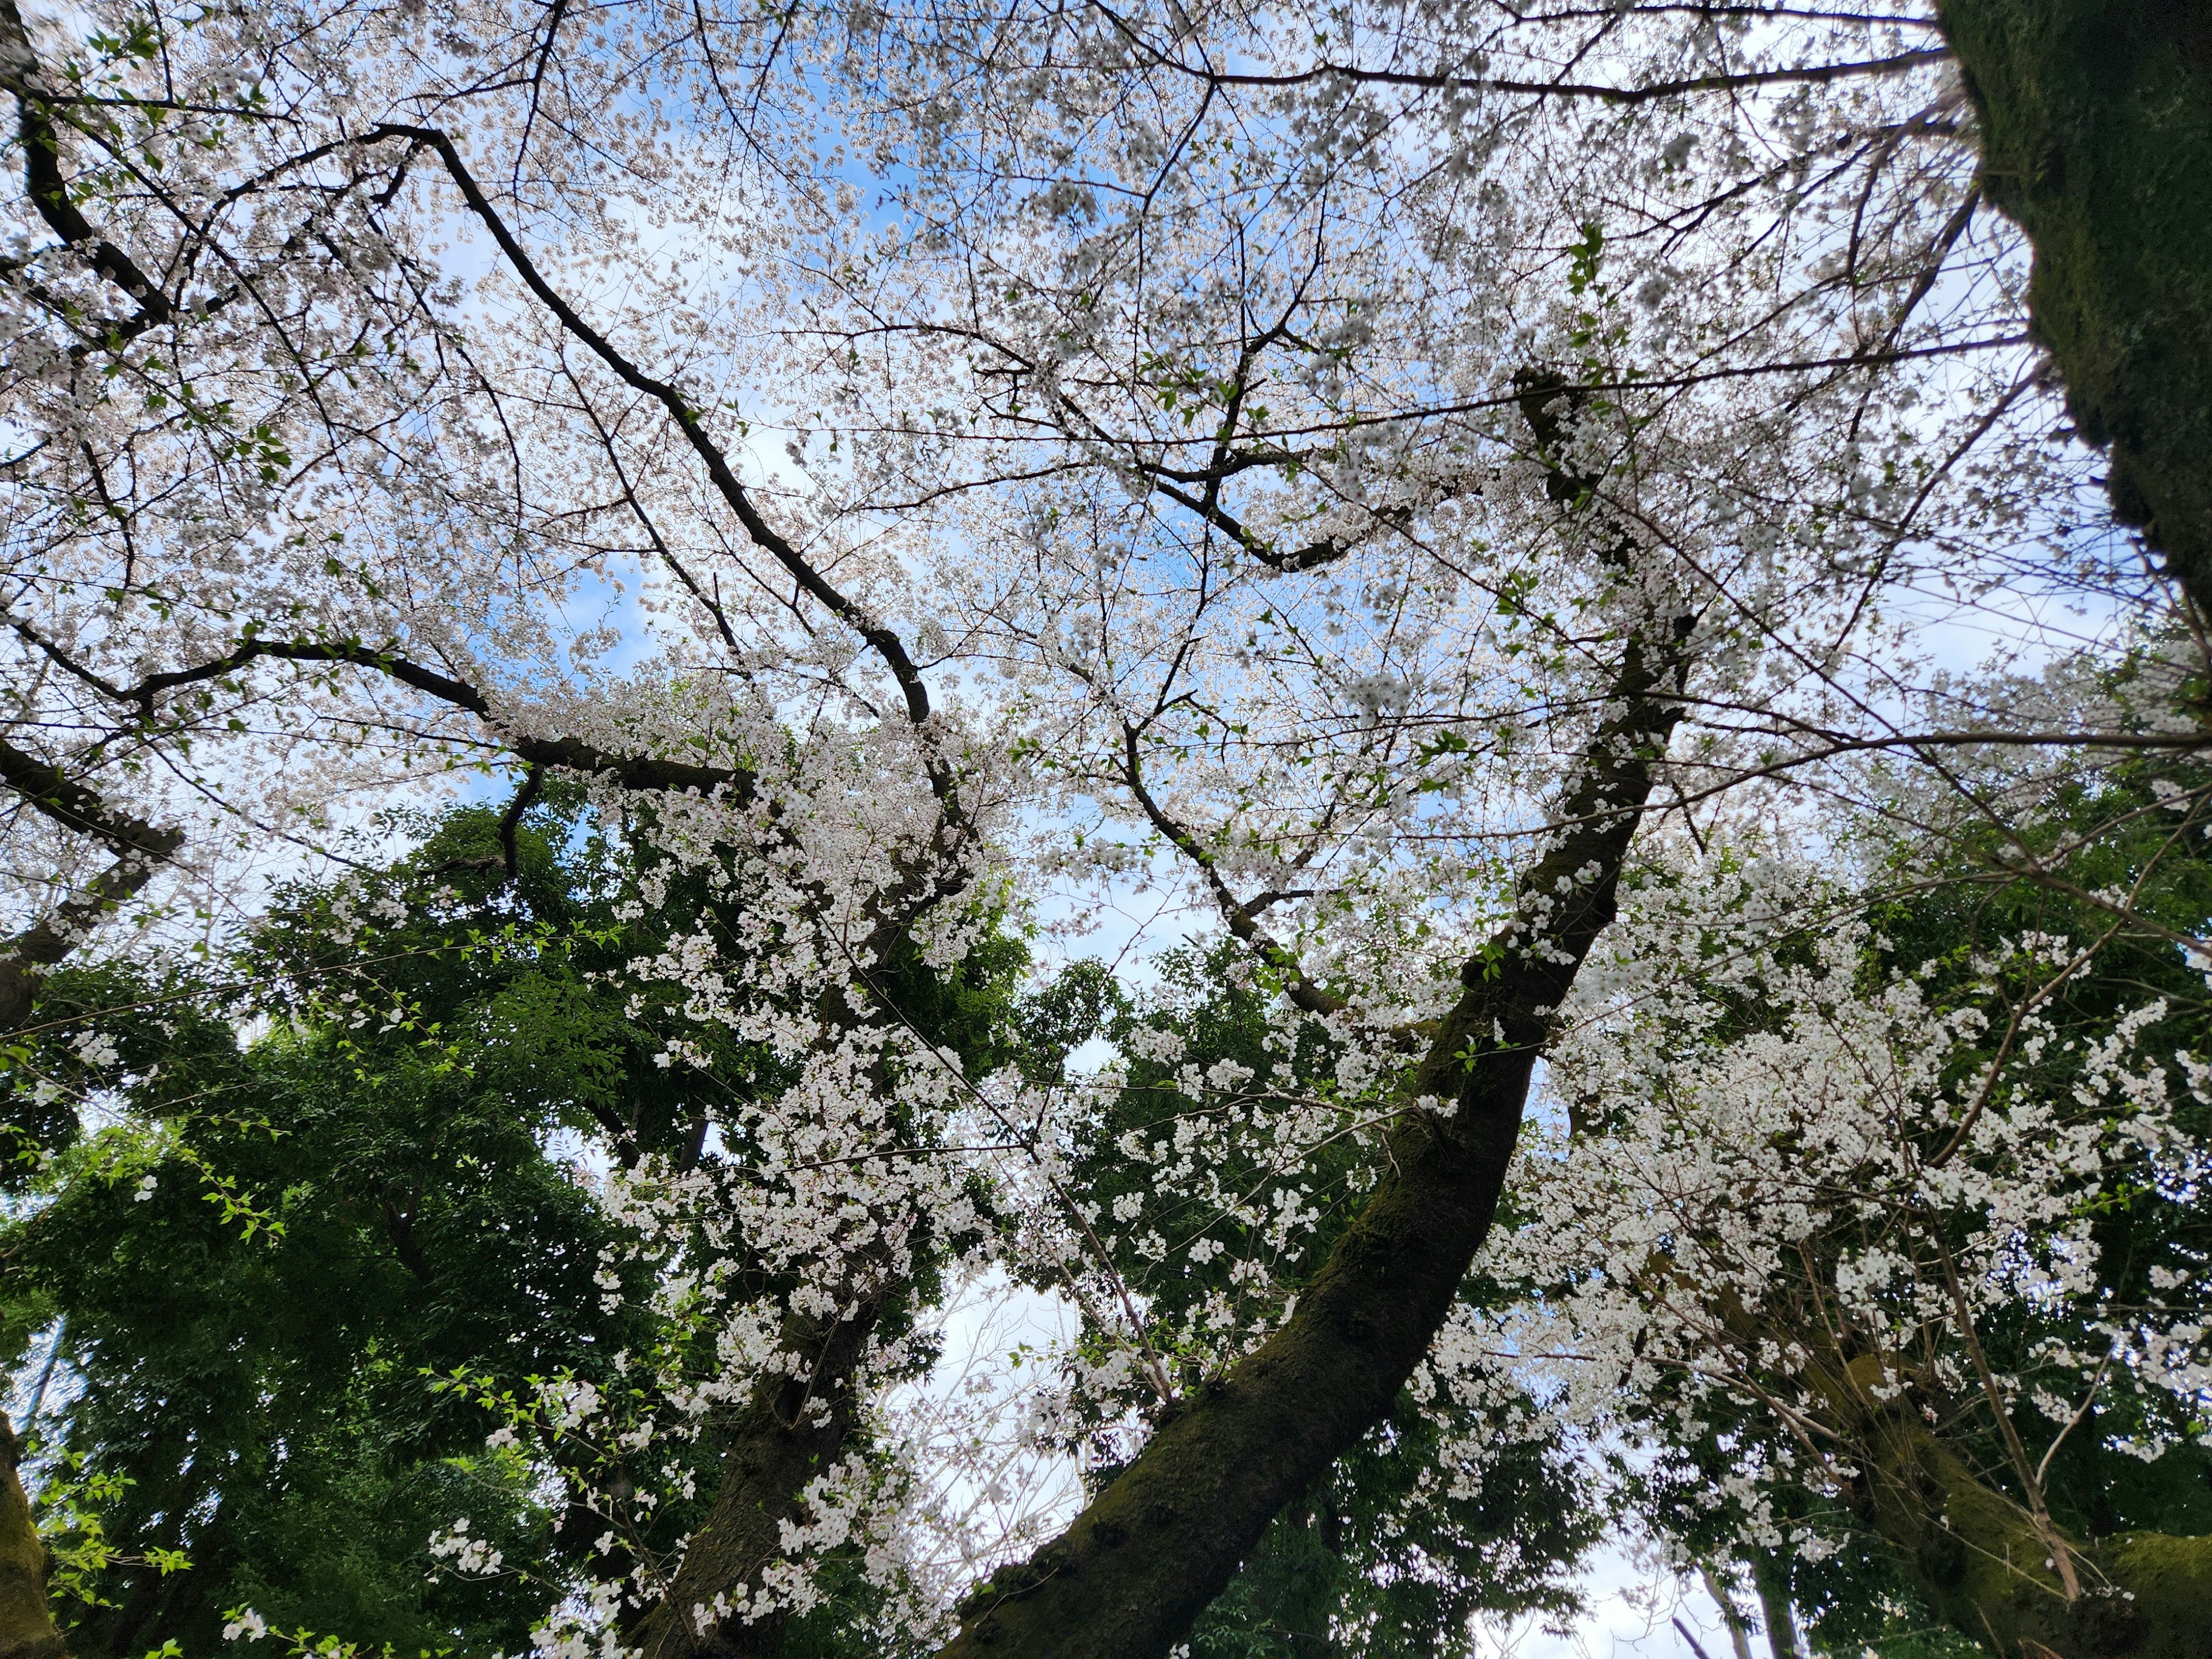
[
  {"x": 139, "y": 848},
  {"x": 884, "y": 641},
  {"x": 1160, "y": 1541},
  {"x": 49, "y": 191}
]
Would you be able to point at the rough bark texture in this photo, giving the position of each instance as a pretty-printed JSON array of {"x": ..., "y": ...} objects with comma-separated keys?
[
  {"x": 1976, "y": 1557},
  {"x": 792, "y": 1432},
  {"x": 2096, "y": 121},
  {"x": 27, "y": 1626},
  {"x": 1143, "y": 1560}
]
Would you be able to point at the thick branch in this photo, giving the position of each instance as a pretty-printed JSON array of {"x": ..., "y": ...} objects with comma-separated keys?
[
  {"x": 49, "y": 191},
  {"x": 632, "y": 772},
  {"x": 1145, "y": 1557},
  {"x": 26, "y": 1627},
  {"x": 884, "y": 641},
  {"x": 793, "y": 1429},
  {"x": 139, "y": 847}
]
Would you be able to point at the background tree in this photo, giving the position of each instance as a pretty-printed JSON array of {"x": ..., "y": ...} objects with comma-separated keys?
[{"x": 263, "y": 1263}]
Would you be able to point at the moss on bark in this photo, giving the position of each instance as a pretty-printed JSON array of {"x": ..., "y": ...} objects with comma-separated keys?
[
  {"x": 2096, "y": 120},
  {"x": 27, "y": 1626},
  {"x": 1976, "y": 1556}
]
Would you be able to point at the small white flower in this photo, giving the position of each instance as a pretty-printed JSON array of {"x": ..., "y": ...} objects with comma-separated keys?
[{"x": 247, "y": 1622}]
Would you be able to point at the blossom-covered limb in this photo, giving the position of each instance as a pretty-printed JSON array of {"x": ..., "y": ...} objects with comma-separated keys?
[
  {"x": 49, "y": 191},
  {"x": 793, "y": 1429},
  {"x": 139, "y": 849},
  {"x": 1159, "y": 1543},
  {"x": 883, "y": 642}
]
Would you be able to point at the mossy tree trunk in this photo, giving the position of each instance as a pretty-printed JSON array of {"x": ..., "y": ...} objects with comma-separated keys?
[
  {"x": 27, "y": 1625},
  {"x": 2096, "y": 119},
  {"x": 1981, "y": 1560},
  {"x": 1977, "y": 1559},
  {"x": 1128, "y": 1578},
  {"x": 1140, "y": 1562}
]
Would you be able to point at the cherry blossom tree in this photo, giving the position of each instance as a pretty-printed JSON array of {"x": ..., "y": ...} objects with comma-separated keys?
[
  {"x": 1971, "y": 1175},
  {"x": 1366, "y": 469}
]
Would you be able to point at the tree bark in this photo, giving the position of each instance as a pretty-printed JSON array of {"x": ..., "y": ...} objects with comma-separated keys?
[
  {"x": 2096, "y": 119},
  {"x": 1774, "y": 1606},
  {"x": 793, "y": 1430},
  {"x": 1976, "y": 1558},
  {"x": 27, "y": 1625},
  {"x": 1739, "y": 1633},
  {"x": 1127, "y": 1578},
  {"x": 139, "y": 848}
]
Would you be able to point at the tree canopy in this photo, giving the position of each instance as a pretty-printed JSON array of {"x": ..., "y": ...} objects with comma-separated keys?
[{"x": 1480, "y": 725}]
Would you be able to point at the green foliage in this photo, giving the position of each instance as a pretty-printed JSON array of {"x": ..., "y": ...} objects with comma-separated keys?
[
  {"x": 1378, "y": 1562},
  {"x": 275, "y": 1197},
  {"x": 2139, "y": 832},
  {"x": 262, "y": 1245}
]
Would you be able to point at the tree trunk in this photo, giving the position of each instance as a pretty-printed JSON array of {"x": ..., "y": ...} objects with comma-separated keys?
[
  {"x": 1774, "y": 1606},
  {"x": 1739, "y": 1634},
  {"x": 27, "y": 1625},
  {"x": 1127, "y": 1578},
  {"x": 2096, "y": 121},
  {"x": 1976, "y": 1558},
  {"x": 793, "y": 1430}
]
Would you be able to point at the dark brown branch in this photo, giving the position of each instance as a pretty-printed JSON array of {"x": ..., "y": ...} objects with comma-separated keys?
[
  {"x": 511, "y": 820},
  {"x": 1803, "y": 75},
  {"x": 399, "y": 1227},
  {"x": 49, "y": 191},
  {"x": 1308, "y": 556},
  {"x": 573, "y": 754},
  {"x": 884, "y": 641},
  {"x": 78, "y": 809},
  {"x": 1241, "y": 918}
]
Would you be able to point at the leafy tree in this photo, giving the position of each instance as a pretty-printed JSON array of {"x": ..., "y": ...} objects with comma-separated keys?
[
  {"x": 1439, "y": 1514},
  {"x": 263, "y": 1250}
]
